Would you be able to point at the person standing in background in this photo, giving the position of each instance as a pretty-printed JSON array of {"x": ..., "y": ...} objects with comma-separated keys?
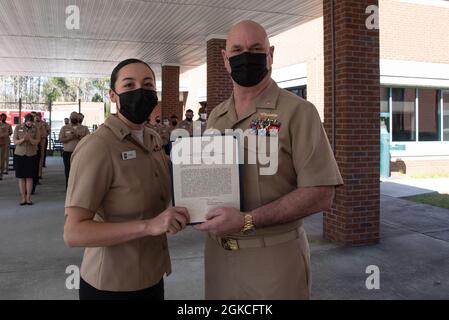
[
  {"x": 48, "y": 132},
  {"x": 187, "y": 124},
  {"x": 26, "y": 138},
  {"x": 44, "y": 132},
  {"x": 202, "y": 119},
  {"x": 37, "y": 157},
  {"x": 70, "y": 135},
  {"x": 5, "y": 141},
  {"x": 84, "y": 130}
]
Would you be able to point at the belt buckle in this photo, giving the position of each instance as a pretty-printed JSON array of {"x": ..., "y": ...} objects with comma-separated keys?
[{"x": 230, "y": 244}]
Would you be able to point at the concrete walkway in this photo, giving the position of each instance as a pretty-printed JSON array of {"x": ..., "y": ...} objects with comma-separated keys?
[
  {"x": 399, "y": 187},
  {"x": 413, "y": 255}
]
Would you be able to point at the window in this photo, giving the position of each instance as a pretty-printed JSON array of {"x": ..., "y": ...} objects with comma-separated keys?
[
  {"x": 445, "y": 115},
  {"x": 404, "y": 114},
  {"x": 429, "y": 115},
  {"x": 385, "y": 107},
  {"x": 300, "y": 91}
]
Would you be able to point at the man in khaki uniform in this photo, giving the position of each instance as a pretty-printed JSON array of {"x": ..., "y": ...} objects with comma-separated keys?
[
  {"x": 187, "y": 124},
  {"x": 262, "y": 252},
  {"x": 5, "y": 141},
  {"x": 202, "y": 119},
  {"x": 44, "y": 130},
  {"x": 164, "y": 132},
  {"x": 84, "y": 130},
  {"x": 70, "y": 135}
]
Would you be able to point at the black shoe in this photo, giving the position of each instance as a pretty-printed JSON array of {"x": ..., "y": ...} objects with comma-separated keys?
[
  {"x": 5, "y": 172},
  {"x": 23, "y": 203},
  {"x": 30, "y": 203}
]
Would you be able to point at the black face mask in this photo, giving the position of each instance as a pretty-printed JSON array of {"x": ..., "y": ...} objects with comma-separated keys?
[
  {"x": 189, "y": 119},
  {"x": 137, "y": 105},
  {"x": 174, "y": 123},
  {"x": 248, "y": 69},
  {"x": 74, "y": 121},
  {"x": 158, "y": 121}
]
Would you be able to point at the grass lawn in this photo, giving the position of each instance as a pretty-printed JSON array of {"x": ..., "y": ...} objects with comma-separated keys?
[{"x": 434, "y": 199}]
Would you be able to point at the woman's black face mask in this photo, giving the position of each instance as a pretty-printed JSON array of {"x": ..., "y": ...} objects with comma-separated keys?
[
  {"x": 248, "y": 69},
  {"x": 137, "y": 105}
]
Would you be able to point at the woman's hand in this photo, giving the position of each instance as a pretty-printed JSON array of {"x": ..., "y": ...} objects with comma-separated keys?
[{"x": 170, "y": 221}]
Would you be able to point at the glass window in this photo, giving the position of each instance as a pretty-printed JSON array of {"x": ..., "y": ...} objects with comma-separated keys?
[
  {"x": 300, "y": 91},
  {"x": 446, "y": 115},
  {"x": 403, "y": 108},
  {"x": 385, "y": 107},
  {"x": 384, "y": 99},
  {"x": 429, "y": 116}
]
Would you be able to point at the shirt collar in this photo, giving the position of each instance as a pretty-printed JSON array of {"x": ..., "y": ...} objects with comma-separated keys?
[{"x": 118, "y": 127}]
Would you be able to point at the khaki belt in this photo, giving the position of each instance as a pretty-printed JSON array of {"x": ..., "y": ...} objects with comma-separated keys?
[{"x": 261, "y": 241}]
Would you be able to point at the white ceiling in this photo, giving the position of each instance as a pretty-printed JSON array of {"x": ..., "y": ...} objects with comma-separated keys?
[{"x": 34, "y": 39}]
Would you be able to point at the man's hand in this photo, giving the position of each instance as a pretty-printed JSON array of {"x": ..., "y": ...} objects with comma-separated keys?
[{"x": 222, "y": 221}]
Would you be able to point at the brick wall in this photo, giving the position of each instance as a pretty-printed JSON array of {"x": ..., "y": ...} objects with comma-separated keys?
[
  {"x": 354, "y": 218},
  {"x": 170, "y": 92},
  {"x": 421, "y": 167},
  {"x": 414, "y": 32},
  {"x": 219, "y": 84}
]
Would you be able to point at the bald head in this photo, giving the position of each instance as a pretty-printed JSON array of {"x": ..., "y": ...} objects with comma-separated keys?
[{"x": 248, "y": 34}]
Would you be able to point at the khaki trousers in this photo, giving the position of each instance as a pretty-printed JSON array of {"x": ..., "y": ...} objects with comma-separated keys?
[
  {"x": 4, "y": 157},
  {"x": 277, "y": 272}
]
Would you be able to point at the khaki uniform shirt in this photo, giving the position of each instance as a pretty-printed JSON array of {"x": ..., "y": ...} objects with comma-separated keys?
[
  {"x": 186, "y": 125},
  {"x": 164, "y": 132},
  {"x": 305, "y": 158},
  {"x": 5, "y": 133},
  {"x": 121, "y": 180},
  {"x": 69, "y": 131},
  {"x": 45, "y": 130},
  {"x": 26, "y": 148}
]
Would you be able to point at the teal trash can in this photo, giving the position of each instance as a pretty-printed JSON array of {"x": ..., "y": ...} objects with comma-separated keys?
[{"x": 384, "y": 151}]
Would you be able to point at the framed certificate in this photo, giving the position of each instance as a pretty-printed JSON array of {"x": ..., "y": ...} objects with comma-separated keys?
[{"x": 205, "y": 174}]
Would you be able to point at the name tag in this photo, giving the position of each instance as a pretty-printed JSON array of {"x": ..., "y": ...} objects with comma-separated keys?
[
  {"x": 20, "y": 130},
  {"x": 129, "y": 155}
]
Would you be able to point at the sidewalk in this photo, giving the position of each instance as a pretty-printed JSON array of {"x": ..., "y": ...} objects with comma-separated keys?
[
  {"x": 399, "y": 187},
  {"x": 413, "y": 255}
]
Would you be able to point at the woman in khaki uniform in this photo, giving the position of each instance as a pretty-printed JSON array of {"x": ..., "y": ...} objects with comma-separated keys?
[
  {"x": 26, "y": 138},
  {"x": 118, "y": 196}
]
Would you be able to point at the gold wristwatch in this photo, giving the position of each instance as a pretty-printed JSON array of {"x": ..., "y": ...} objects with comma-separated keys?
[{"x": 248, "y": 227}]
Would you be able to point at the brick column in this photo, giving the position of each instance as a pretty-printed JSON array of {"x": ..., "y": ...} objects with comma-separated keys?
[
  {"x": 219, "y": 84},
  {"x": 170, "y": 92},
  {"x": 354, "y": 218}
]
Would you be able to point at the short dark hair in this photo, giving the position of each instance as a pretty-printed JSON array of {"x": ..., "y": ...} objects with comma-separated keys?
[
  {"x": 174, "y": 116},
  {"x": 124, "y": 63},
  {"x": 189, "y": 110},
  {"x": 29, "y": 117}
]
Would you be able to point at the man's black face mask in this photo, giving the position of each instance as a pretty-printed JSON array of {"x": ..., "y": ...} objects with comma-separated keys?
[{"x": 248, "y": 69}]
